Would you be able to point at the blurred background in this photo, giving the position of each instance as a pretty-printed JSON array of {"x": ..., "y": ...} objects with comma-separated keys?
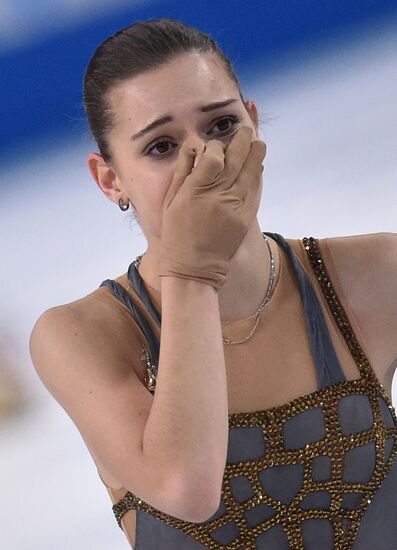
[{"x": 324, "y": 77}]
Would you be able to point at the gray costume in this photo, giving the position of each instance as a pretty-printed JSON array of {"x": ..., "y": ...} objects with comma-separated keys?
[{"x": 318, "y": 473}]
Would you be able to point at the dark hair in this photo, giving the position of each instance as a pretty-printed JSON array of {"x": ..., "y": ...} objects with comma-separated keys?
[{"x": 131, "y": 51}]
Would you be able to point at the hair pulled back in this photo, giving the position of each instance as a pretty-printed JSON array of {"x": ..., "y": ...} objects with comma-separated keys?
[{"x": 142, "y": 46}]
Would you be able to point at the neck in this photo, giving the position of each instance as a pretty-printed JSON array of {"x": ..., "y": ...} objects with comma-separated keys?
[{"x": 247, "y": 279}]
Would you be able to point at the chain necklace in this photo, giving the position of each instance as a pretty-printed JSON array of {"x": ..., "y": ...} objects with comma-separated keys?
[{"x": 267, "y": 297}]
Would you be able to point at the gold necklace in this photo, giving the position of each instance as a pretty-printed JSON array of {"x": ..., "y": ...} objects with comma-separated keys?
[{"x": 267, "y": 297}]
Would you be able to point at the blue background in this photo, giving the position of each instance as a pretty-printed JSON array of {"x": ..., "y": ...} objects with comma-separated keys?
[{"x": 41, "y": 90}]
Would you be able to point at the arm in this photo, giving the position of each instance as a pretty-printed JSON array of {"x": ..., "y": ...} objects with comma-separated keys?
[
  {"x": 188, "y": 422},
  {"x": 80, "y": 355}
]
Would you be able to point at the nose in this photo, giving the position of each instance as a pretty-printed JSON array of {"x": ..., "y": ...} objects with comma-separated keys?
[{"x": 198, "y": 145}]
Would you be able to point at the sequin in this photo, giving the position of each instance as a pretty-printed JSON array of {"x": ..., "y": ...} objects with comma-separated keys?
[{"x": 326, "y": 495}]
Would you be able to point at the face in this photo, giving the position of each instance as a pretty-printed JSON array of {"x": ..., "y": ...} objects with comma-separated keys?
[{"x": 143, "y": 162}]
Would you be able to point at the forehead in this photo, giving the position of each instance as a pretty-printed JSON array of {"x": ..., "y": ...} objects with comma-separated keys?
[{"x": 185, "y": 82}]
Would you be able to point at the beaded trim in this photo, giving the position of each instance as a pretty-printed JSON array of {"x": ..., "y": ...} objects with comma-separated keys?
[
  {"x": 320, "y": 270},
  {"x": 335, "y": 444}
]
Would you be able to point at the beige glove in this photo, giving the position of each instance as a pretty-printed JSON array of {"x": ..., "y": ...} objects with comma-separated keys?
[{"x": 208, "y": 209}]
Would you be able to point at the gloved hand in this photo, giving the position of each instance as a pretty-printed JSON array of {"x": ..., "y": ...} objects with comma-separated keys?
[{"x": 208, "y": 209}]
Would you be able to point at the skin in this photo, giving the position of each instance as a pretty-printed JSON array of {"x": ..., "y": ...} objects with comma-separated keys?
[{"x": 178, "y": 88}]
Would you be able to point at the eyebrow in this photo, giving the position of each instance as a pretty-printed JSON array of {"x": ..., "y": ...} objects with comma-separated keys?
[{"x": 168, "y": 118}]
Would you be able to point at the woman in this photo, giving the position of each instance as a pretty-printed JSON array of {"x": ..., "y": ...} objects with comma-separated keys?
[{"x": 259, "y": 422}]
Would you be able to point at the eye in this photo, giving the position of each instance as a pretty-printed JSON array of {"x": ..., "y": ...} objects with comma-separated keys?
[
  {"x": 164, "y": 142},
  {"x": 161, "y": 150},
  {"x": 231, "y": 118}
]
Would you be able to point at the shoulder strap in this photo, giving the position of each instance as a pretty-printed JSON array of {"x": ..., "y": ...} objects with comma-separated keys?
[
  {"x": 329, "y": 370},
  {"x": 138, "y": 285},
  {"x": 312, "y": 248},
  {"x": 119, "y": 291}
]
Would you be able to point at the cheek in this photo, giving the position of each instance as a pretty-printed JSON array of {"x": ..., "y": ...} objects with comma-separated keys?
[
  {"x": 153, "y": 182},
  {"x": 154, "y": 191},
  {"x": 149, "y": 200},
  {"x": 154, "y": 186}
]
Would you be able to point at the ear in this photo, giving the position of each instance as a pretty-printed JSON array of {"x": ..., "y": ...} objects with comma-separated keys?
[
  {"x": 105, "y": 177},
  {"x": 253, "y": 113}
]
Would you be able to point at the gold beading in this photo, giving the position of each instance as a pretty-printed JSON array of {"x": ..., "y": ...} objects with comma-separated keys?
[{"x": 335, "y": 444}]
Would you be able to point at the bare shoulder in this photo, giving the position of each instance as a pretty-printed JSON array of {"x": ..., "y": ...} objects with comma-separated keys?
[
  {"x": 97, "y": 317},
  {"x": 364, "y": 249},
  {"x": 366, "y": 267},
  {"x": 87, "y": 356}
]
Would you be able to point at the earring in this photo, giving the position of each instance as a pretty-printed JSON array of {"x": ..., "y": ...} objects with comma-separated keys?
[{"x": 122, "y": 206}]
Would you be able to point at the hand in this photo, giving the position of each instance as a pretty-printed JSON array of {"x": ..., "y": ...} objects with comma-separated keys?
[{"x": 208, "y": 210}]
